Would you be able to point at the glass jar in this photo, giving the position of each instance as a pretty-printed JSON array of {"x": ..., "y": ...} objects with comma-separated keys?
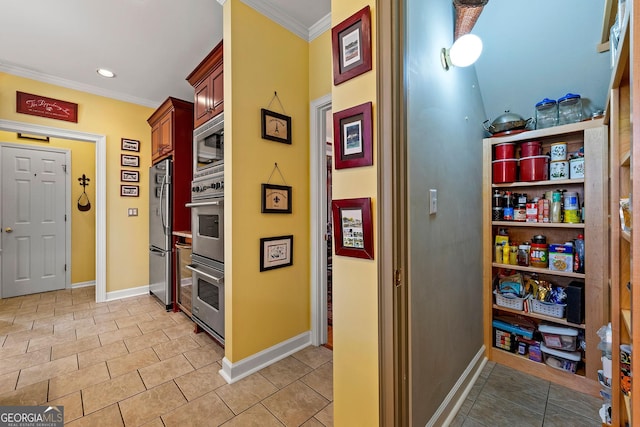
[
  {"x": 546, "y": 113},
  {"x": 569, "y": 109},
  {"x": 523, "y": 255}
]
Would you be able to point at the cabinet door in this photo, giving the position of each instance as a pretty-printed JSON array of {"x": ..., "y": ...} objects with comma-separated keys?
[
  {"x": 217, "y": 95},
  {"x": 155, "y": 142},
  {"x": 202, "y": 102},
  {"x": 166, "y": 134}
]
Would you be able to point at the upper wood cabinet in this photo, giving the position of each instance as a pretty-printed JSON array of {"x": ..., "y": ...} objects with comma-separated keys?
[
  {"x": 208, "y": 81},
  {"x": 171, "y": 126}
]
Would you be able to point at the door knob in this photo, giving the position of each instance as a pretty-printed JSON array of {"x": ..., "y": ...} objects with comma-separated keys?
[{"x": 9, "y": 230}]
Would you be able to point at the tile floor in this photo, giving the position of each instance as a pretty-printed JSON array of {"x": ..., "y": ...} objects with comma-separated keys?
[
  {"x": 504, "y": 397},
  {"x": 129, "y": 362}
]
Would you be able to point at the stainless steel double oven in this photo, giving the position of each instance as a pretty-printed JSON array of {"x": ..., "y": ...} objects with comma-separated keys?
[{"x": 207, "y": 229}]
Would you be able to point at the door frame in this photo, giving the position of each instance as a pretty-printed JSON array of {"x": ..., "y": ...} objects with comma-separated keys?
[
  {"x": 67, "y": 200},
  {"x": 100, "y": 188},
  {"x": 318, "y": 192}
]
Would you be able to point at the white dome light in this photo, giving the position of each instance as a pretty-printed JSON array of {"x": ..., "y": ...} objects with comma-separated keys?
[
  {"x": 106, "y": 73},
  {"x": 465, "y": 51}
]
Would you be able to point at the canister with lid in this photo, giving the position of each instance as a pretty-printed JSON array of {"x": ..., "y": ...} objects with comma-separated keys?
[
  {"x": 546, "y": 113},
  {"x": 572, "y": 212},
  {"x": 569, "y": 109}
]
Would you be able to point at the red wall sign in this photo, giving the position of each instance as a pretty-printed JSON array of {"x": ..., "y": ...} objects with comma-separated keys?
[{"x": 42, "y": 106}]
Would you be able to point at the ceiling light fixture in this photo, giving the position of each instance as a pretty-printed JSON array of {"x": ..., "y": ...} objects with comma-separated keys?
[
  {"x": 106, "y": 73},
  {"x": 464, "y": 52}
]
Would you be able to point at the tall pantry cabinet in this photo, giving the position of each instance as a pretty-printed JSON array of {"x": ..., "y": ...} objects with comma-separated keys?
[
  {"x": 622, "y": 115},
  {"x": 593, "y": 191}
]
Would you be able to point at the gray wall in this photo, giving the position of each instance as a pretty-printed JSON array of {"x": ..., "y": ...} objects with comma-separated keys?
[{"x": 444, "y": 113}]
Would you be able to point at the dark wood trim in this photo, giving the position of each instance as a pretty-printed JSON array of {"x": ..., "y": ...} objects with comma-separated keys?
[{"x": 206, "y": 65}]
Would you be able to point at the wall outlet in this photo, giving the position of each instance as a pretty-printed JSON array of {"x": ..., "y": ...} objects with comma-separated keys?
[
  {"x": 433, "y": 201},
  {"x": 132, "y": 212}
]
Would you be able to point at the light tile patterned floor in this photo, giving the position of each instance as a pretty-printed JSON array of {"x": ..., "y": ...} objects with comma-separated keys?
[{"x": 130, "y": 363}]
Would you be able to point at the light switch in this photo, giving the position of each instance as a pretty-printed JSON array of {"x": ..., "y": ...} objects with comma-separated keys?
[
  {"x": 132, "y": 211},
  {"x": 433, "y": 201}
]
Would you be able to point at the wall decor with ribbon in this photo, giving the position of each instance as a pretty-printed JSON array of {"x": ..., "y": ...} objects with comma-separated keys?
[
  {"x": 276, "y": 198},
  {"x": 83, "y": 201}
]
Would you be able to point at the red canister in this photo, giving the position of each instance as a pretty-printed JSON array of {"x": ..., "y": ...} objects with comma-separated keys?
[
  {"x": 504, "y": 170},
  {"x": 506, "y": 150},
  {"x": 530, "y": 148},
  {"x": 534, "y": 168}
]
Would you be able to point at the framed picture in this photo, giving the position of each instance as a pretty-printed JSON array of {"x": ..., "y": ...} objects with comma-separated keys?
[
  {"x": 276, "y": 252},
  {"x": 276, "y": 126},
  {"x": 129, "y": 176},
  {"x": 130, "y": 144},
  {"x": 351, "y": 46},
  {"x": 129, "y": 160},
  {"x": 276, "y": 198},
  {"x": 352, "y": 137},
  {"x": 129, "y": 191},
  {"x": 352, "y": 227}
]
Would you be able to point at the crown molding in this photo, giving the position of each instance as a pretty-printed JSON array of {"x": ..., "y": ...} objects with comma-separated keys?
[
  {"x": 285, "y": 20},
  {"x": 320, "y": 27},
  {"x": 82, "y": 87},
  {"x": 222, "y": 2}
]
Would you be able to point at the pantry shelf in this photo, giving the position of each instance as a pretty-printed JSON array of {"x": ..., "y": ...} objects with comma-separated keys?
[
  {"x": 555, "y": 182},
  {"x": 539, "y": 316},
  {"x": 539, "y": 270},
  {"x": 537, "y": 224}
]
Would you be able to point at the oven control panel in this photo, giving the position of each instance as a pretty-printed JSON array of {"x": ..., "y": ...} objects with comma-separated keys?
[{"x": 208, "y": 184}]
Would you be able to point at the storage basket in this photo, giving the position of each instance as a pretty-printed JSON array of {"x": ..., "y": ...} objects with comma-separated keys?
[
  {"x": 513, "y": 303},
  {"x": 547, "y": 308}
]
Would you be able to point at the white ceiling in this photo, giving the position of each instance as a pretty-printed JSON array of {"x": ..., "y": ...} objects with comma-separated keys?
[{"x": 151, "y": 45}]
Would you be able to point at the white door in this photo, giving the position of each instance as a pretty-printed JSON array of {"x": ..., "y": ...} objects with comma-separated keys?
[{"x": 33, "y": 221}]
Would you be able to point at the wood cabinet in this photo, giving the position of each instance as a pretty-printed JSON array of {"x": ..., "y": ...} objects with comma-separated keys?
[
  {"x": 623, "y": 117},
  {"x": 208, "y": 82},
  {"x": 171, "y": 129},
  {"x": 593, "y": 190}
]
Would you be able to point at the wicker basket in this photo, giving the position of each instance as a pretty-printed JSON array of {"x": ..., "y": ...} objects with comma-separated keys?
[
  {"x": 513, "y": 303},
  {"x": 547, "y": 308}
]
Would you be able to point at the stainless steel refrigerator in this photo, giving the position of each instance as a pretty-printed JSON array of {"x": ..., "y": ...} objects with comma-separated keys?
[{"x": 160, "y": 194}]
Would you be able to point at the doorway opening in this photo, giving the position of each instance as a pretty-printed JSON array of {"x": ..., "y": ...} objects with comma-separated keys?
[{"x": 100, "y": 142}]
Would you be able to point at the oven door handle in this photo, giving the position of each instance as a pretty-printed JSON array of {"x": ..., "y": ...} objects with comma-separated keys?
[
  {"x": 195, "y": 269},
  {"x": 199, "y": 204}
]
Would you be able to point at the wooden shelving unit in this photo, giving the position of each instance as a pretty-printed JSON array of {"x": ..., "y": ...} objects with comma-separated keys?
[
  {"x": 593, "y": 189},
  {"x": 623, "y": 117}
]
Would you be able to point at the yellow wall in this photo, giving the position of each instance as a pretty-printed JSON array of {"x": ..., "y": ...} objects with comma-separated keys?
[
  {"x": 320, "y": 77},
  {"x": 260, "y": 57},
  {"x": 355, "y": 281},
  {"x": 83, "y": 224},
  {"x": 127, "y": 237}
]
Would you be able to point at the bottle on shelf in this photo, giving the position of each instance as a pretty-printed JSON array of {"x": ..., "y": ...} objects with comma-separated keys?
[
  {"x": 578, "y": 256},
  {"x": 505, "y": 253},
  {"x": 497, "y": 205},
  {"x": 507, "y": 207},
  {"x": 556, "y": 207}
]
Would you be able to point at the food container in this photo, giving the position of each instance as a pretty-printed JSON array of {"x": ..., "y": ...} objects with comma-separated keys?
[
  {"x": 562, "y": 360},
  {"x": 559, "y": 337},
  {"x": 504, "y": 170},
  {"x": 569, "y": 109},
  {"x": 546, "y": 113},
  {"x": 561, "y": 257},
  {"x": 530, "y": 148},
  {"x": 576, "y": 168},
  {"x": 504, "y": 340},
  {"x": 534, "y": 168},
  {"x": 559, "y": 170},
  {"x": 571, "y": 207},
  {"x": 505, "y": 150},
  {"x": 539, "y": 255},
  {"x": 558, "y": 151}
]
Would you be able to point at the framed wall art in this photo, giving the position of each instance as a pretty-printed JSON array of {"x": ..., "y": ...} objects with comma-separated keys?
[
  {"x": 276, "y": 252},
  {"x": 276, "y": 198},
  {"x": 276, "y": 126},
  {"x": 129, "y": 160},
  {"x": 351, "y": 46},
  {"x": 352, "y": 227},
  {"x": 129, "y": 191},
  {"x": 352, "y": 137},
  {"x": 129, "y": 176},
  {"x": 130, "y": 144}
]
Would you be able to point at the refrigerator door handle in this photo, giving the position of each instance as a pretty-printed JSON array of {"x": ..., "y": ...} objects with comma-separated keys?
[
  {"x": 162, "y": 196},
  {"x": 201, "y": 204},
  {"x": 157, "y": 251}
]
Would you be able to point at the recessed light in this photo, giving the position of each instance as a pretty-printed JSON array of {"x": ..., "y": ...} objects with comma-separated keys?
[{"x": 106, "y": 73}]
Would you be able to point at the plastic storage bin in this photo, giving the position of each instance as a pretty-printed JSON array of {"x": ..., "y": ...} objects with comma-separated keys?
[
  {"x": 562, "y": 360},
  {"x": 534, "y": 168},
  {"x": 504, "y": 170},
  {"x": 546, "y": 113},
  {"x": 569, "y": 109},
  {"x": 559, "y": 337}
]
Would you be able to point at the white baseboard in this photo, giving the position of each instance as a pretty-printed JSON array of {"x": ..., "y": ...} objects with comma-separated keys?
[
  {"x": 447, "y": 411},
  {"x": 127, "y": 293},
  {"x": 83, "y": 284},
  {"x": 232, "y": 372}
]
